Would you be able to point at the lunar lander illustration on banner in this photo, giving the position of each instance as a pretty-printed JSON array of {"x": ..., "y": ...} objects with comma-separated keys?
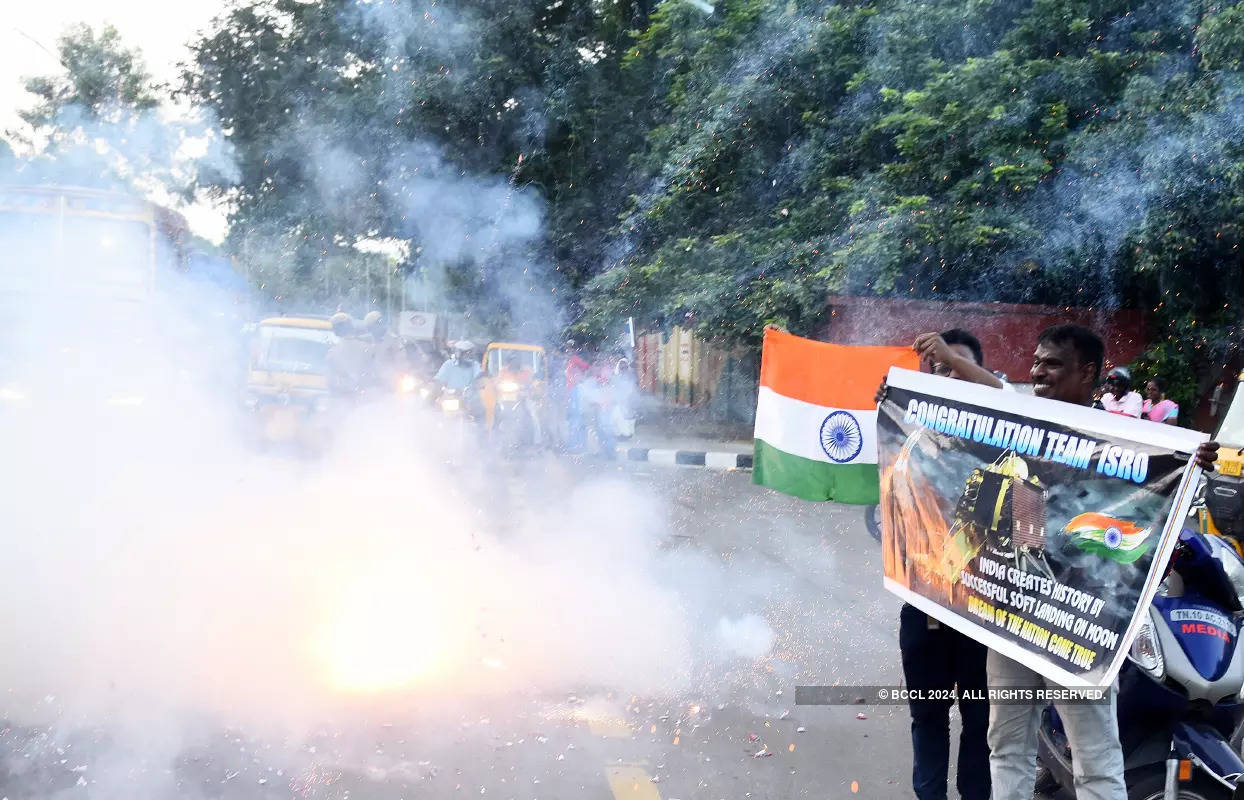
[{"x": 1003, "y": 510}]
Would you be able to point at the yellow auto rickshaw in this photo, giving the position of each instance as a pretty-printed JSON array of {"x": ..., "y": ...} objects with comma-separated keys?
[
  {"x": 287, "y": 379},
  {"x": 513, "y": 388}
]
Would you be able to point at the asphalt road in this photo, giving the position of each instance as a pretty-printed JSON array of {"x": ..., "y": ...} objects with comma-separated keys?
[{"x": 776, "y": 593}]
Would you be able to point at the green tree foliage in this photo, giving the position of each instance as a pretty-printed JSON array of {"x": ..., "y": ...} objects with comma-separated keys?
[
  {"x": 730, "y": 164},
  {"x": 462, "y": 127},
  {"x": 1054, "y": 151},
  {"x": 103, "y": 81},
  {"x": 95, "y": 122}
]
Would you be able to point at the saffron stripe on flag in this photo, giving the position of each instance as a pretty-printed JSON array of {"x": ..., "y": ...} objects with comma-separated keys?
[
  {"x": 824, "y": 374},
  {"x": 815, "y": 480}
]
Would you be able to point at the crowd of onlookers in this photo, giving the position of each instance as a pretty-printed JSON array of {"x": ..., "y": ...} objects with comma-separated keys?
[
  {"x": 1116, "y": 395},
  {"x": 596, "y": 396}
]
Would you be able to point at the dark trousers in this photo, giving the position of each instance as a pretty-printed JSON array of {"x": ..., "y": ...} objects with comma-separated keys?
[{"x": 943, "y": 658}]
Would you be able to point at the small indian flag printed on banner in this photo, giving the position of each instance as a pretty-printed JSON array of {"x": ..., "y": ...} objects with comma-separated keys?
[
  {"x": 816, "y": 419},
  {"x": 1116, "y": 539}
]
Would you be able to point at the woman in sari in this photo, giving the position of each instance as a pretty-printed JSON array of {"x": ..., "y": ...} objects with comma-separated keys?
[{"x": 1157, "y": 408}]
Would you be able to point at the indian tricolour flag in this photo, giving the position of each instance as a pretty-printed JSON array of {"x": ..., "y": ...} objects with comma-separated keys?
[{"x": 816, "y": 419}]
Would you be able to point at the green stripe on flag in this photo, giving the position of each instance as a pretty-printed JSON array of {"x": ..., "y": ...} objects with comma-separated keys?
[
  {"x": 815, "y": 480},
  {"x": 1089, "y": 545}
]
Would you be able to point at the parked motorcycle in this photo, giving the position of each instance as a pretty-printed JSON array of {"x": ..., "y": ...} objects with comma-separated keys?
[{"x": 1179, "y": 690}]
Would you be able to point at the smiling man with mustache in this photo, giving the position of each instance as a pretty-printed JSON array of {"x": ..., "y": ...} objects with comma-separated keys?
[{"x": 1066, "y": 366}]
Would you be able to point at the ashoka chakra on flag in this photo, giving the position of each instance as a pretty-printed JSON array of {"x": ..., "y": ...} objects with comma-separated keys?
[{"x": 841, "y": 437}]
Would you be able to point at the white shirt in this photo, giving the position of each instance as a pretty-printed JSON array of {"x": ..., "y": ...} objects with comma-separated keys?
[{"x": 1130, "y": 404}]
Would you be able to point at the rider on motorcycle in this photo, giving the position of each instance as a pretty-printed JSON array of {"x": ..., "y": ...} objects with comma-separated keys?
[
  {"x": 459, "y": 370},
  {"x": 459, "y": 373}
]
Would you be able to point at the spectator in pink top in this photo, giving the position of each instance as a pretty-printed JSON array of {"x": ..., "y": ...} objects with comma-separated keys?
[
  {"x": 1119, "y": 397},
  {"x": 1157, "y": 408}
]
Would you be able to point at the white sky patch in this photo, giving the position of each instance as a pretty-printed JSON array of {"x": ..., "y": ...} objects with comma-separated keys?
[{"x": 146, "y": 24}]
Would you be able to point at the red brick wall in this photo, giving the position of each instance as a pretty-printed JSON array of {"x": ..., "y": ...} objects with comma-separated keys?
[{"x": 1008, "y": 332}]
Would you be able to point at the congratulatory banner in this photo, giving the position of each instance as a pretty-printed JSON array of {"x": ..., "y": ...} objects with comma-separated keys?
[{"x": 1037, "y": 527}]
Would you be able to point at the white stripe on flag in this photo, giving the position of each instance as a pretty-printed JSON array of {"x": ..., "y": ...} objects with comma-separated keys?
[{"x": 794, "y": 427}]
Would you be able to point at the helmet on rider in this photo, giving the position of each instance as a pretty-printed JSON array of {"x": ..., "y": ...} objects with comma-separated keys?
[
  {"x": 373, "y": 326},
  {"x": 342, "y": 324},
  {"x": 1119, "y": 381},
  {"x": 462, "y": 349}
]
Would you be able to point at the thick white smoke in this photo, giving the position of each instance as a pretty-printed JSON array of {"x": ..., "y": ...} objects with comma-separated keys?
[
  {"x": 166, "y": 580},
  {"x": 153, "y": 558}
]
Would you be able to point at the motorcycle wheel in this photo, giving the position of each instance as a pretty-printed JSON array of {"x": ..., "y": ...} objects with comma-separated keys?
[
  {"x": 1152, "y": 786},
  {"x": 872, "y": 520}
]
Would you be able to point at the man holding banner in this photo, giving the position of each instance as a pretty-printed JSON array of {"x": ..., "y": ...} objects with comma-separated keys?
[
  {"x": 1067, "y": 367},
  {"x": 1039, "y": 529}
]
